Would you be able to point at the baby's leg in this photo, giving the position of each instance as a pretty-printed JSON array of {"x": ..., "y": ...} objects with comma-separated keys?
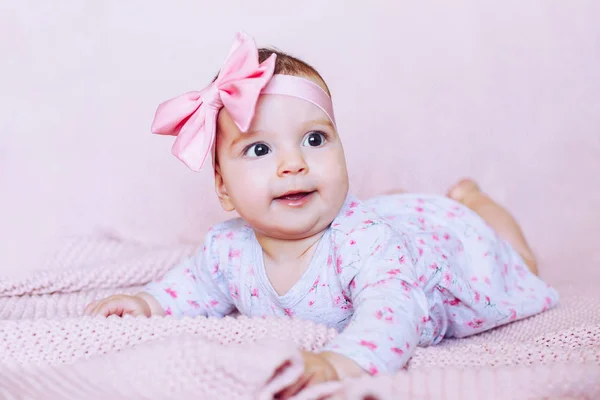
[
  {"x": 394, "y": 191},
  {"x": 468, "y": 193}
]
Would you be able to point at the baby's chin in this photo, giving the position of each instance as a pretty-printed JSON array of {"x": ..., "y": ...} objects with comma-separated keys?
[{"x": 292, "y": 231}]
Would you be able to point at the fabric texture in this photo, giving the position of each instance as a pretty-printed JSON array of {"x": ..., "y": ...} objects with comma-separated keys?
[{"x": 48, "y": 351}]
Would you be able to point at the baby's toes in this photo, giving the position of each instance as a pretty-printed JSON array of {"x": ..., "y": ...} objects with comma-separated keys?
[{"x": 463, "y": 189}]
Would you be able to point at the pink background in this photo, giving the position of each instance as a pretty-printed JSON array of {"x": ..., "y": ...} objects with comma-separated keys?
[{"x": 424, "y": 93}]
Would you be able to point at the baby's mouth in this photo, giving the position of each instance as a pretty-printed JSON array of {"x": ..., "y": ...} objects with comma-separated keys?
[{"x": 294, "y": 196}]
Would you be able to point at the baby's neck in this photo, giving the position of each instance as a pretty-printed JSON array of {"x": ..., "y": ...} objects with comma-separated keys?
[
  {"x": 284, "y": 251},
  {"x": 286, "y": 260}
]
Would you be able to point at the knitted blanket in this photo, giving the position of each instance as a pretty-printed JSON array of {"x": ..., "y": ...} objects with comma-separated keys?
[{"x": 47, "y": 350}]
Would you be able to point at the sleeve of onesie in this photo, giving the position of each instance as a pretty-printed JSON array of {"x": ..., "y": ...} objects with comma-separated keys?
[
  {"x": 390, "y": 309},
  {"x": 196, "y": 286}
]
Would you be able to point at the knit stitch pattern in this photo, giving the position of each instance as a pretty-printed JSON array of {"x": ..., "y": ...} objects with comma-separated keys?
[{"x": 47, "y": 350}]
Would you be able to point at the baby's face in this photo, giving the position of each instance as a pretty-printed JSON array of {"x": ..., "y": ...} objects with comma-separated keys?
[{"x": 287, "y": 175}]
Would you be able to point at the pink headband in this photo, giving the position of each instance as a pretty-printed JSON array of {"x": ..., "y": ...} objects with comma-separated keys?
[{"x": 192, "y": 117}]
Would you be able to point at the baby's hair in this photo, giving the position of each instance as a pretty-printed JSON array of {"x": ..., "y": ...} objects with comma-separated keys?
[{"x": 287, "y": 64}]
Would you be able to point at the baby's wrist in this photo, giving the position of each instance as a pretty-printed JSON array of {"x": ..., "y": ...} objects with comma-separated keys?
[
  {"x": 153, "y": 304},
  {"x": 344, "y": 366}
]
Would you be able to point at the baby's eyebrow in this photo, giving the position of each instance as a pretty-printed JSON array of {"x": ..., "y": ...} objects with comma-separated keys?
[
  {"x": 241, "y": 137},
  {"x": 326, "y": 122}
]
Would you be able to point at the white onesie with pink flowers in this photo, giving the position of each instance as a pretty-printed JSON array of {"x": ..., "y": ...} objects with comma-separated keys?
[{"x": 392, "y": 273}]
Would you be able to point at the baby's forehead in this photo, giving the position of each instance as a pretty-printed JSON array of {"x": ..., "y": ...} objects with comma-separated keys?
[{"x": 269, "y": 110}]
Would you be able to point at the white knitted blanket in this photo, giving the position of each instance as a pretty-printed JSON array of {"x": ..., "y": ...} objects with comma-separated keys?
[{"x": 48, "y": 351}]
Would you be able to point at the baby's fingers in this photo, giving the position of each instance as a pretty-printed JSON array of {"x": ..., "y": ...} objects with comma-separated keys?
[
  {"x": 109, "y": 307},
  {"x": 119, "y": 305},
  {"x": 294, "y": 388},
  {"x": 105, "y": 307}
]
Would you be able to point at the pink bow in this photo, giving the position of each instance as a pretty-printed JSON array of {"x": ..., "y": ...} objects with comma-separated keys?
[{"x": 192, "y": 117}]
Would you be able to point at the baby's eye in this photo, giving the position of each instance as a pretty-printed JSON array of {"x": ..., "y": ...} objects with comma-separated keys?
[
  {"x": 257, "y": 150},
  {"x": 315, "y": 139}
]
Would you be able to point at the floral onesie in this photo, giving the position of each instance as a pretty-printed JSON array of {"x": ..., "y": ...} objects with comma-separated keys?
[{"x": 390, "y": 274}]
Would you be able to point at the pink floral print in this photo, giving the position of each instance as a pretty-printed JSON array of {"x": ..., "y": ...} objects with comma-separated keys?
[{"x": 390, "y": 274}]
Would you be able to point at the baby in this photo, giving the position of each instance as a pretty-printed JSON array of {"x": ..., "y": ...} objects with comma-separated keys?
[{"x": 395, "y": 272}]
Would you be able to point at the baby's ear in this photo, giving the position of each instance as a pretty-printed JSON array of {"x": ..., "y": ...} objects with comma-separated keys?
[{"x": 221, "y": 190}]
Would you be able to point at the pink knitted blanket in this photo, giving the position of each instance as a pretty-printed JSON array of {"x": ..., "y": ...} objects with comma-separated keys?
[{"x": 48, "y": 351}]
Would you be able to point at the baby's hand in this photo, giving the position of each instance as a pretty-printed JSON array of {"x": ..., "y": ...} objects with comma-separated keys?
[
  {"x": 317, "y": 369},
  {"x": 142, "y": 304}
]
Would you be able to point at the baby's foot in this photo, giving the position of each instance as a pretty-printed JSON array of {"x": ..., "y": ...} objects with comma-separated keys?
[{"x": 465, "y": 191}]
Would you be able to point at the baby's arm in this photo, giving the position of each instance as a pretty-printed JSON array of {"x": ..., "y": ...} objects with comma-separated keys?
[
  {"x": 194, "y": 287},
  {"x": 389, "y": 307}
]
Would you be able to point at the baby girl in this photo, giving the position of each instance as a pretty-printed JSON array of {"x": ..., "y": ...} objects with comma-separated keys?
[{"x": 392, "y": 273}]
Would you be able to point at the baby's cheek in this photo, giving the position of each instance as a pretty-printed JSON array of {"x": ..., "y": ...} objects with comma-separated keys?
[
  {"x": 336, "y": 167},
  {"x": 334, "y": 181},
  {"x": 251, "y": 192},
  {"x": 255, "y": 186}
]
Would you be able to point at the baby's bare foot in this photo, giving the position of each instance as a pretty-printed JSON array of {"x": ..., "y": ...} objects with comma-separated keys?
[
  {"x": 467, "y": 192},
  {"x": 464, "y": 191}
]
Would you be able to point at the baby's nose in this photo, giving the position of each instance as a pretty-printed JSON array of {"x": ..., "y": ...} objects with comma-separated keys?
[{"x": 292, "y": 163}]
